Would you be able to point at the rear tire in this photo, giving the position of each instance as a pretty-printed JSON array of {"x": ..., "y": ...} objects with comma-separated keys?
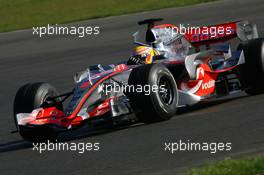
[
  {"x": 157, "y": 105},
  {"x": 252, "y": 72},
  {"x": 28, "y": 98}
]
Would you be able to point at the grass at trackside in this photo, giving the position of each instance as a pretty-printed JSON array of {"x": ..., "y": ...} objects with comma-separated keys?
[
  {"x": 247, "y": 166},
  {"x": 19, "y": 14}
]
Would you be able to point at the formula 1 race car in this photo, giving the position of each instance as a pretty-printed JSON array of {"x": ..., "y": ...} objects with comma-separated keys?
[{"x": 168, "y": 71}]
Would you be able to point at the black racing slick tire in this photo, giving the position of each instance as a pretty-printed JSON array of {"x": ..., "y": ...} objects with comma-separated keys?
[
  {"x": 28, "y": 98},
  {"x": 158, "y": 104},
  {"x": 252, "y": 72}
]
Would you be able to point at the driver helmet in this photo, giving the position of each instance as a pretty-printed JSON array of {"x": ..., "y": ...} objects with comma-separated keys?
[{"x": 145, "y": 53}]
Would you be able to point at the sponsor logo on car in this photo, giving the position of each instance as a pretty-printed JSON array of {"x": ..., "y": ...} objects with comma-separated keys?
[{"x": 208, "y": 84}]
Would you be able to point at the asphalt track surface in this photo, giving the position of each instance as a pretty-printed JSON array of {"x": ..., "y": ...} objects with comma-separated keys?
[{"x": 130, "y": 150}]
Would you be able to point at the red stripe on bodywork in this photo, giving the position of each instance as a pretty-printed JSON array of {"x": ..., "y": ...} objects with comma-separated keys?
[{"x": 86, "y": 96}]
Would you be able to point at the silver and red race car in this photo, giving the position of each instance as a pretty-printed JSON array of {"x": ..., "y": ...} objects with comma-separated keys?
[{"x": 170, "y": 70}]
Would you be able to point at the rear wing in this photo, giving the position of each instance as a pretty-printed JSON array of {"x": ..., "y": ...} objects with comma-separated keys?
[{"x": 243, "y": 30}]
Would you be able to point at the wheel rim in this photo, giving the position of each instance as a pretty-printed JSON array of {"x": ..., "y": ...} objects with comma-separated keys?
[{"x": 165, "y": 90}]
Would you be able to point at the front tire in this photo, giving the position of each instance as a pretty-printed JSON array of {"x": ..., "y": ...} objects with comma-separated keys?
[
  {"x": 159, "y": 104},
  {"x": 28, "y": 98}
]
